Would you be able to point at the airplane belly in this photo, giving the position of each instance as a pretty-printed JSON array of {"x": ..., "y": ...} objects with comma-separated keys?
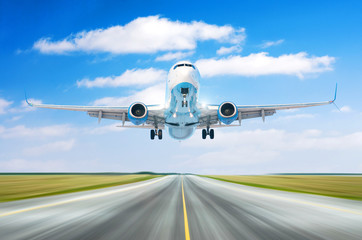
[
  {"x": 181, "y": 133},
  {"x": 182, "y": 114}
]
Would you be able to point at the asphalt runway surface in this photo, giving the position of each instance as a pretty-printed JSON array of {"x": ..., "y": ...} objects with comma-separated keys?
[{"x": 182, "y": 207}]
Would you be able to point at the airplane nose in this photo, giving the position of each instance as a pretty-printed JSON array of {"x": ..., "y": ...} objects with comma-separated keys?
[
  {"x": 189, "y": 74},
  {"x": 185, "y": 72}
]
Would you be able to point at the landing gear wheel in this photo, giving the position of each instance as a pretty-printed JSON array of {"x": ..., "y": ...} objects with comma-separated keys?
[
  {"x": 204, "y": 134},
  {"x": 211, "y": 134},
  {"x": 152, "y": 134},
  {"x": 159, "y": 134},
  {"x": 184, "y": 103}
]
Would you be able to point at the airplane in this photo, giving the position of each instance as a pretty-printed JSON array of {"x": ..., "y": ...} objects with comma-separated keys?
[{"x": 182, "y": 113}]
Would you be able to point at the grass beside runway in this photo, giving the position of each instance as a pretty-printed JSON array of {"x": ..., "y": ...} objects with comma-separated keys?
[
  {"x": 349, "y": 187},
  {"x": 17, "y": 187}
]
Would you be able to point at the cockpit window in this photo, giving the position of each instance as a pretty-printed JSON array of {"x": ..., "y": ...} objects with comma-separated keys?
[{"x": 183, "y": 65}]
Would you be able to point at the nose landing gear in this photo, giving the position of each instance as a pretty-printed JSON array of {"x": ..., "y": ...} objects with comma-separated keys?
[
  {"x": 184, "y": 92},
  {"x": 156, "y": 132},
  {"x": 184, "y": 103}
]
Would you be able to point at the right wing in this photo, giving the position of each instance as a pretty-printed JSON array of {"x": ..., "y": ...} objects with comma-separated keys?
[
  {"x": 155, "y": 113},
  {"x": 210, "y": 118}
]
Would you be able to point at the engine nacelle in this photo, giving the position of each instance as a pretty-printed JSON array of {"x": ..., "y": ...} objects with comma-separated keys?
[
  {"x": 227, "y": 112},
  {"x": 137, "y": 113}
]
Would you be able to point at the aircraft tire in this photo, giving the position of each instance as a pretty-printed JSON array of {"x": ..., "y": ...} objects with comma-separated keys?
[
  {"x": 159, "y": 134},
  {"x": 212, "y": 134},
  {"x": 204, "y": 134},
  {"x": 152, "y": 134}
]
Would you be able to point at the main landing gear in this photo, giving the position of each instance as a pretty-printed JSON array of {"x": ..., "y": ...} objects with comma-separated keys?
[
  {"x": 209, "y": 132},
  {"x": 156, "y": 132}
]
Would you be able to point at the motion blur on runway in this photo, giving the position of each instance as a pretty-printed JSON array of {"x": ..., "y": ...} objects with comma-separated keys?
[{"x": 155, "y": 209}]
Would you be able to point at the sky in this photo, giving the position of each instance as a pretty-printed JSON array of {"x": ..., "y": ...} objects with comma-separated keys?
[{"x": 118, "y": 52}]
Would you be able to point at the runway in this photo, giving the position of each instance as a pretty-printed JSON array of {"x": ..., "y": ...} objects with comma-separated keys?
[{"x": 182, "y": 207}]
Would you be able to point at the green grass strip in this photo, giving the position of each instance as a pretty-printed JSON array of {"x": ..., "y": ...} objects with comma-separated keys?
[
  {"x": 356, "y": 194},
  {"x": 56, "y": 187}
]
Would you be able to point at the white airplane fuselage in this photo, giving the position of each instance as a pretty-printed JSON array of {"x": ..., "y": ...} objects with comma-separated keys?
[{"x": 182, "y": 114}]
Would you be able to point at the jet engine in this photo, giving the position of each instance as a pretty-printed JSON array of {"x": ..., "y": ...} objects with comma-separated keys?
[
  {"x": 137, "y": 113},
  {"x": 227, "y": 112}
]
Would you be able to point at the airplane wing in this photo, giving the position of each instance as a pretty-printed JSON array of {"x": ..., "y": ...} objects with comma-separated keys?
[
  {"x": 155, "y": 113},
  {"x": 209, "y": 113}
]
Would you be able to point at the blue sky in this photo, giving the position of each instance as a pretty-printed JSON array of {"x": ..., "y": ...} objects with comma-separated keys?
[{"x": 117, "y": 52}]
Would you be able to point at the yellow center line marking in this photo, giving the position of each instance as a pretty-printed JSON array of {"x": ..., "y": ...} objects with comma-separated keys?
[
  {"x": 96, "y": 195},
  {"x": 290, "y": 199},
  {"x": 187, "y": 232}
]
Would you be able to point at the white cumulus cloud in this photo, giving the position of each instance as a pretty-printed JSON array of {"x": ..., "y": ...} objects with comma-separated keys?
[
  {"x": 24, "y": 107},
  {"x": 59, "y": 146},
  {"x": 346, "y": 109},
  {"x": 174, "y": 56},
  {"x": 134, "y": 77},
  {"x": 271, "y": 43},
  {"x": 142, "y": 35},
  {"x": 19, "y": 164},
  {"x": 227, "y": 50},
  {"x": 105, "y": 129},
  {"x": 252, "y": 147},
  {"x": 45, "y": 45},
  {"x": 21, "y": 131},
  {"x": 4, "y": 104},
  {"x": 151, "y": 95},
  {"x": 259, "y": 64}
]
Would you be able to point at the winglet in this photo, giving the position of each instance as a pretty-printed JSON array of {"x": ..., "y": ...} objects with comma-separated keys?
[
  {"x": 335, "y": 94},
  {"x": 334, "y": 99},
  {"x": 26, "y": 99}
]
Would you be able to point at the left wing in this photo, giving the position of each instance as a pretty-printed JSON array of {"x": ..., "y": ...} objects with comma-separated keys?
[
  {"x": 209, "y": 116},
  {"x": 155, "y": 113}
]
